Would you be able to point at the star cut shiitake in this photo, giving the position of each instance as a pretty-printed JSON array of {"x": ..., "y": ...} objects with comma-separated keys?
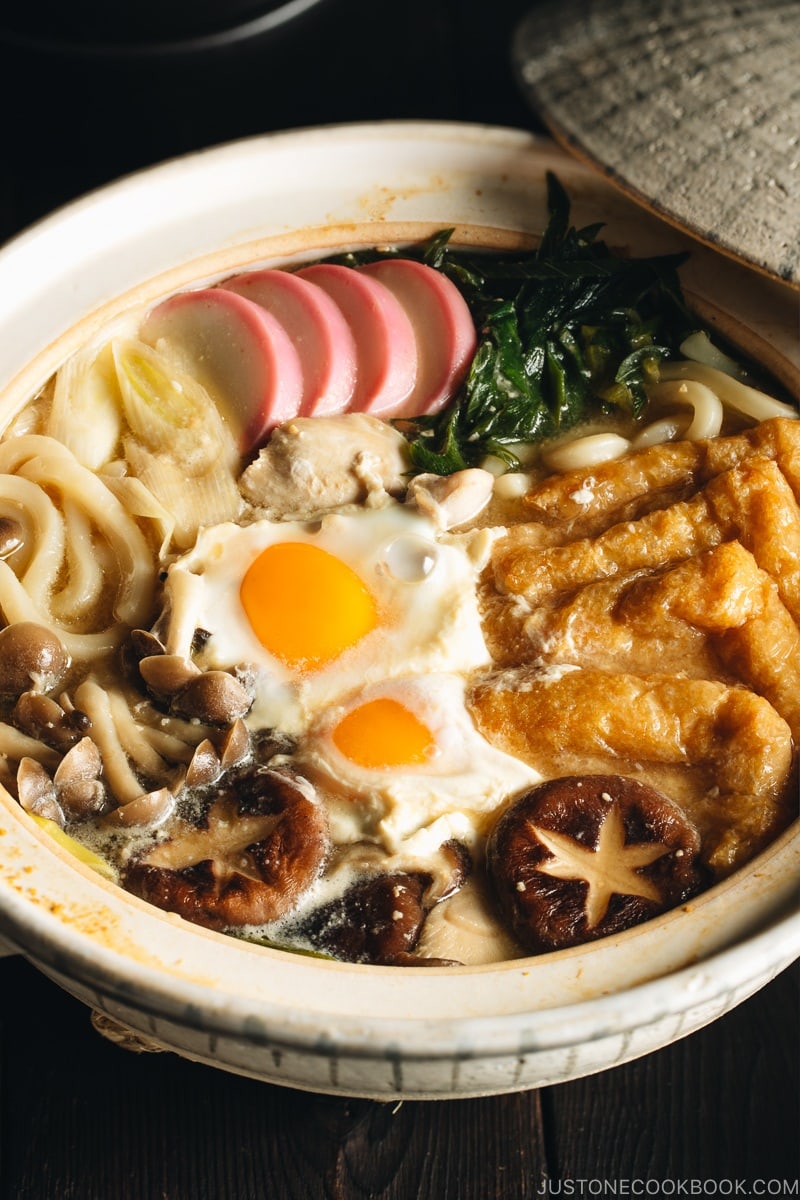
[
  {"x": 261, "y": 843},
  {"x": 582, "y": 857}
]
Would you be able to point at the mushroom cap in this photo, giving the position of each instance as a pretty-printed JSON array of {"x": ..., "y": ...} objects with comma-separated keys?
[
  {"x": 215, "y": 697},
  {"x": 263, "y": 843},
  {"x": 377, "y": 920},
  {"x": 585, "y": 856},
  {"x": 32, "y": 657}
]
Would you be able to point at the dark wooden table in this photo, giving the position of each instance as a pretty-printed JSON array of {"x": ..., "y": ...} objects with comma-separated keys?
[{"x": 716, "y": 1114}]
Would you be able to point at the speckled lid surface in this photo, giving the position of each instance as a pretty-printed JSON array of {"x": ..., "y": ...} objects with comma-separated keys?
[{"x": 690, "y": 106}]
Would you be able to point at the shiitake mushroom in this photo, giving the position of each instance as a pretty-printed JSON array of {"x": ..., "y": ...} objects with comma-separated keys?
[
  {"x": 377, "y": 920},
  {"x": 260, "y": 845},
  {"x": 586, "y": 856}
]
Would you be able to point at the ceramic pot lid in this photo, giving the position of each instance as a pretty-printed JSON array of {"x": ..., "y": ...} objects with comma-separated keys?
[{"x": 690, "y": 106}]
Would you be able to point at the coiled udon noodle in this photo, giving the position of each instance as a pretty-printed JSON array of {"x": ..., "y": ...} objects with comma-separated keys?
[
  {"x": 703, "y": 391},
  {"x": 80, "y": 548},
  {"x": 86, "y": 571}
]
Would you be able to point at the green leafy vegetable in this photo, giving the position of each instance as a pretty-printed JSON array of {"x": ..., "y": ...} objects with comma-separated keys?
[{"x": 566, "y": 332}]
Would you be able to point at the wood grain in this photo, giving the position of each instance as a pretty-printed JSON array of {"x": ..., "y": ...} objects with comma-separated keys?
[{"x": 721, "y": 1104}]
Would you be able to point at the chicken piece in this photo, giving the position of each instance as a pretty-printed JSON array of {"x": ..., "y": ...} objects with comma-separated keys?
[
  {"x": 583, "y": 503},
  {"x": 465, "y": 928},
  {"x": 733, "y": 749},
  {"x": 313, "y": 465}
]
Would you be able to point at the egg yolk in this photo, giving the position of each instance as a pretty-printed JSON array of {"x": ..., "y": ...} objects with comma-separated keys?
[
  {"x": 383, "y": 733},
  {"x": 305, "y": 606}
]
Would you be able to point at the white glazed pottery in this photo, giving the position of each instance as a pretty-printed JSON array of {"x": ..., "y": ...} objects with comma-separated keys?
[
  {"x": 307, "y": 1023},
  {"x": 691, "y": 108}
]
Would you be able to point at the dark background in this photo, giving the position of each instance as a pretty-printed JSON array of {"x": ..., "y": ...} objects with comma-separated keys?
[
  {"x": 74, "y": 120},
  {"x": 85, "y": 1120}
]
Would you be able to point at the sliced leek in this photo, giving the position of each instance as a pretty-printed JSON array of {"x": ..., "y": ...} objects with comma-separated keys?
[
  {"x": 168, "y": 410},
  {"x": 192, "y": 501},
  {"x": 86, "y": 412}
]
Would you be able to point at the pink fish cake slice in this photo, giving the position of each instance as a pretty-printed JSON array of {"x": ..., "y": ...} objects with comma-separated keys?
[
  {"x": 318, "y": 330},
  {"x": 386, "y": 346},
  {"x": 443, "y": 327}
]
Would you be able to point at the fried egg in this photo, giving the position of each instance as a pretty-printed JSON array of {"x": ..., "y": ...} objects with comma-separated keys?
[
  {"x": 316, "y": 610},
  {"x": 405, "y": 753}
]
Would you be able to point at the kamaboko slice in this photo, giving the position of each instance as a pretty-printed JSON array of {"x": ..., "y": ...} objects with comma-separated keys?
[
  {"x": 386, "y": 348},
  {"x": 317, "y": 329},
  {"x": 240, "y": 353}
]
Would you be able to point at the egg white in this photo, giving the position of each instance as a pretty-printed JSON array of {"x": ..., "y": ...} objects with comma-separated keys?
[
  {"x": 465, "y": 778},
  {"x": 423, "y": 582}
]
